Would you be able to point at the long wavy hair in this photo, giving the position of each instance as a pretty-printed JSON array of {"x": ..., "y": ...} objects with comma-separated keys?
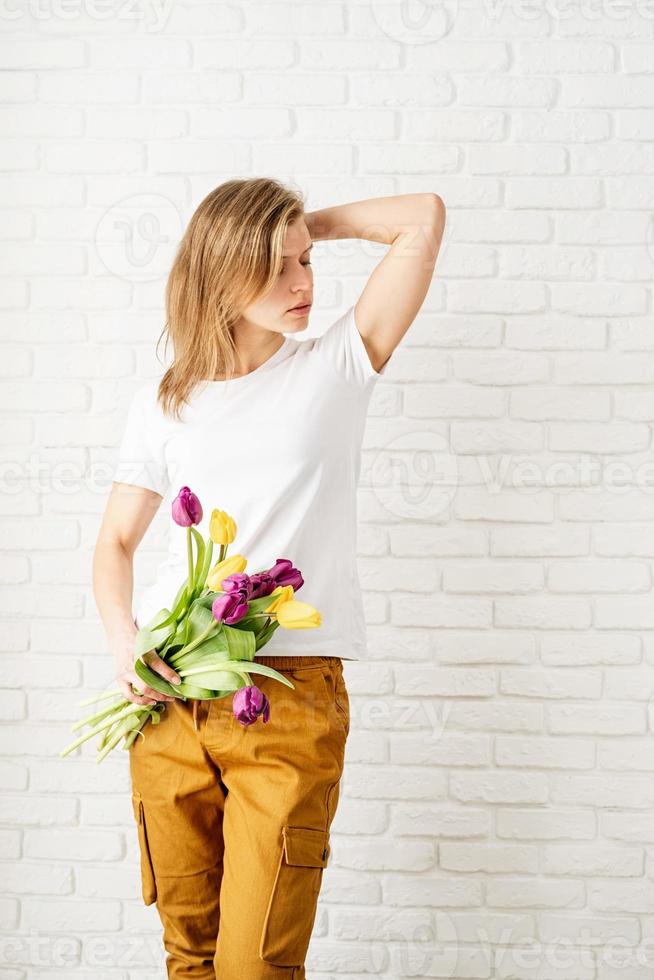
[{"x": 230, "y": 256}]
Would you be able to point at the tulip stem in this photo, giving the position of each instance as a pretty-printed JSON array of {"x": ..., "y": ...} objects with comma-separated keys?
[
  {"x": 124, "y": 730},
  {"x": 129, "y": 709},
  {"x": 93, "y": 719},
  {"x": 131, "y": 738},
  {"x": 189, "y": 550},
  {"x": 100, "y": 697},
  {"x": 204, "y": 571},
  {"x": 109, "y": 746},
  {"x": 265, "y": 626}
]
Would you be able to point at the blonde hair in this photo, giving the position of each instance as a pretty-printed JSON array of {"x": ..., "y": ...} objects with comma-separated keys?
[{"x": 230, "y": 256}]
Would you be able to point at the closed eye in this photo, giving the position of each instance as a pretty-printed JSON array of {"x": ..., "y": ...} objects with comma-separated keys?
[{"x": 282, "y": 270}]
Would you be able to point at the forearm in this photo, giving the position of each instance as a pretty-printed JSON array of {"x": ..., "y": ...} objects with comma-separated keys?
[
  {"x": 113, "y": 583},
  {"x": 375, "y": 219}
]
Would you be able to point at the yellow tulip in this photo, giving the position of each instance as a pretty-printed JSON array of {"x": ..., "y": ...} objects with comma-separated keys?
[
  {"x": 294, "y": 615},
  {"x": 283, "y": 593},
  {"x": 229, "y": 566},
  {"x": 222, "y": 527}
]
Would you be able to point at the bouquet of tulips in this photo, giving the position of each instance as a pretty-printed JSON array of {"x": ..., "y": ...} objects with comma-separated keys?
[{"x": 219, "y": 619}]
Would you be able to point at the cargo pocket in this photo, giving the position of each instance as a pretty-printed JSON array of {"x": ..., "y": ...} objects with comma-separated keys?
[
  {"x": 342, "y": 701},
  {"x": 148, "y": 882},
  {"x": 337, "y": 695},
  {"x": 293, "y": 901}
]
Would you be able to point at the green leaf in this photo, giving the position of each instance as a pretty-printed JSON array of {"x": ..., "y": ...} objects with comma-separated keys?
[
  {"x": 153, "y": 635},
  {"x": 246, "y": 667},
  {"x": 248, "y": 624},
  {"x": 177, "y": 639},
  {"x": 154, "y": 680},
  {"x": 255, "y": 668},
  {"x": 197, "y": 693},
  {"x": 206, "y": 600},
  {"x": 240, "y": 643},
  {"x": 180, "y": 593},
  {"x": 158, "y": 620},
  {"x": 266, "y": 635},
  {"x": 260, "y": 604},
  {"x": 217, "y": 680},
  {"x": 197, "y": 620},
  {"x": 215, "y": 648},
  {"x": 201, "y": 579},
  {"x": 179, "y": 606}
]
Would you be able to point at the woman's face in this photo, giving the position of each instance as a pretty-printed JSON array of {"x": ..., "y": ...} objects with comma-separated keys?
[{"x": 294, "y": 286}]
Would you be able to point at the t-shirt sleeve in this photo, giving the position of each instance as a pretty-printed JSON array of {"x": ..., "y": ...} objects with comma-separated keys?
[
  {"x": 141, "y": 461},
  {"x": 342, "y": 345}
]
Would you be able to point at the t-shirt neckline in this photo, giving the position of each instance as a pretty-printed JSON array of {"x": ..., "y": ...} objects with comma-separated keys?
[{"x": 246, "y": 377}]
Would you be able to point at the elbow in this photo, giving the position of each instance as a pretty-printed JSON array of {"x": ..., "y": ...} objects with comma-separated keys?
[
  {"x": 437, "y": 208},
  {"x": 112, "y": 545},
  {"x": 434, "y": 225},
  {"x": 434, "y": 214}
]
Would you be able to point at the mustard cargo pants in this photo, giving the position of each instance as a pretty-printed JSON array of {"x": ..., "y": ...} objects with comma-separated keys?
[{"x": 234, "y": 822}]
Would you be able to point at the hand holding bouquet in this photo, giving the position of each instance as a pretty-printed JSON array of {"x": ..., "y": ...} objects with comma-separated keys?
[{"x": 219, "y": 619}]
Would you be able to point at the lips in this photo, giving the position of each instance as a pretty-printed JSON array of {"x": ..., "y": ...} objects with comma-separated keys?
[{"x": 301, "y": 306}]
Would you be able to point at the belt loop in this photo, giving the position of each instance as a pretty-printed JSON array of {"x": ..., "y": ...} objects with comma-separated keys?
[{"x": 195, "y": 714}]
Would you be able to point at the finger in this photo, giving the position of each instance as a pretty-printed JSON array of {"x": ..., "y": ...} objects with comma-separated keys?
[
  {"x": 157, "y": 695},
  {"x": 160, "y": 667},
  {"x": 169, "y": 676},
  {"x": 140, "y": 699},
  {"x": 163, "y": 669},
  {"x": 131, "y": 696},
  {"x": 146, "y": 696}
]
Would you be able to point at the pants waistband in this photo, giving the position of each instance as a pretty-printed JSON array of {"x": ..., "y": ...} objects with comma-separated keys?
[{"x": 279, "y": 661}]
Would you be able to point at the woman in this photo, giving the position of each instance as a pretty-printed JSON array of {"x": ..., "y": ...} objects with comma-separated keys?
[{"x": 234, "y": 821}]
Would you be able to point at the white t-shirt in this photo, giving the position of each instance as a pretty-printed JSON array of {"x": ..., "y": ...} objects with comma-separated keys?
[{"x": 279, "y": 449}]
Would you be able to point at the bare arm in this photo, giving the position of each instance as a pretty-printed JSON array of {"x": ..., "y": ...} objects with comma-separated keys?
[
  {"x": 413, "y": 226},
  {"x": 128, "y": 514}
]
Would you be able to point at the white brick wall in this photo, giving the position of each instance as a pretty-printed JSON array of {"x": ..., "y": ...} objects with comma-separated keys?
[{"x": 496, "y": 817}]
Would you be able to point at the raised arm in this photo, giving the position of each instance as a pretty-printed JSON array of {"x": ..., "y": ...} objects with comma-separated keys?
[{"x": 413, "y": 226}]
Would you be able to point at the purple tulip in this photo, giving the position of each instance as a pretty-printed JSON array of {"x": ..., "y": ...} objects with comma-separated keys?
[
  {"x": 261, "y": 584},
  {"x": 187, "y": 508},
  {"x": 238, "y": 582},
  {"x": 229, "y": 608},
  {"x": 284, "y": 573},
  {"x": 234, "y": 603},
  {"x": 250, "y": 702}
]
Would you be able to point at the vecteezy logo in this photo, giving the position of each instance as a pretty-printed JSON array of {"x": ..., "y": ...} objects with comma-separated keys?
[
  {"x": 428, "y": 946},
  {"x": 415, "y": 475},
  {"x": 136, "y": 237},
  {"x": 415, "y": 21}
]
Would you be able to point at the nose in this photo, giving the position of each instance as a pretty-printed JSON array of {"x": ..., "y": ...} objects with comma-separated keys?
[{"x": 304, "y": 279}]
